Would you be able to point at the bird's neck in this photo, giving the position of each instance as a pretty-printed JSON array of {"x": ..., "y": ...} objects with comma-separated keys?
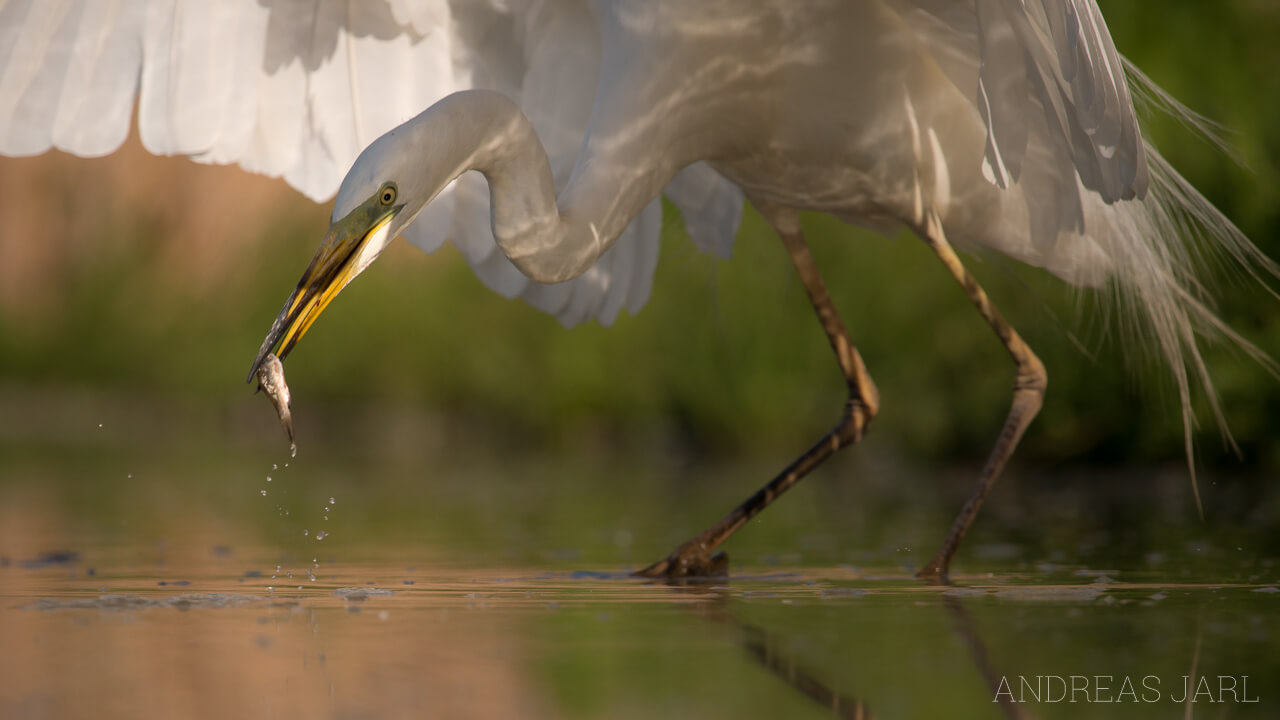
[{"x": 549, "y": 242}]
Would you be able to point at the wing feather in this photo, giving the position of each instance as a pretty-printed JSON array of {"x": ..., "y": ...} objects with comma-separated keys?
[
  {"x": 1051, "y": 89},
  {"x": 711, "y": 206},
  {"x": 96, "y": 99},
  {"x": 1003, "y": 89},
  {"x": 619, "y": 274},
  {"x": 29, "y": 88},
  {"x": 296, "y": 88},
  {"x": 648, "y": 225},
  {"x": 1076, "y": 73}
]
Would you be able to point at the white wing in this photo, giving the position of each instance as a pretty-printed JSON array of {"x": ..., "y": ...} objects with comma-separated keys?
[
  {"x": 1050, "y": 87},
  {"x": 1059, "y": 52},
  {"x": 296, "y": 88}
]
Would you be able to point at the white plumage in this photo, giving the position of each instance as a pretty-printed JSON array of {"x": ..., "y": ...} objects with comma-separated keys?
[
  {"x": 538, "y": 135},
  {"x": 1009, "y": 121},
  {"x": 296, "y": 88}
]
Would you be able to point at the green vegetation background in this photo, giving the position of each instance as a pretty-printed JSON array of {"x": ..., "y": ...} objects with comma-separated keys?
[{"x": 725, "y": 358}]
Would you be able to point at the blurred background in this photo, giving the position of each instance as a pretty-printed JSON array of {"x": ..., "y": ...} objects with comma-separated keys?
[
  {"x": 134, "y": 292},
  {"x": 472, "y": 454}
]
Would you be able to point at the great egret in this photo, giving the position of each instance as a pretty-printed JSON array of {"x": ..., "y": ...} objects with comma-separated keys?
[{"x": 1004, "y": 124}]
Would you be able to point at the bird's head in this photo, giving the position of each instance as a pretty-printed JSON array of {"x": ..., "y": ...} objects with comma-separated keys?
[{"x": 368, "y": 212}]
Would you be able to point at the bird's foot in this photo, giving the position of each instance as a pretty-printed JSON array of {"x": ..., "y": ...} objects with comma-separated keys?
[
  {"x": 691, "y": 562},
  {"x": 935, "y": 573}
]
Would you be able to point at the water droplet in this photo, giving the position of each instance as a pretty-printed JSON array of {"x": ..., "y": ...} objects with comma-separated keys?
[{"x": 322, "y": 535}]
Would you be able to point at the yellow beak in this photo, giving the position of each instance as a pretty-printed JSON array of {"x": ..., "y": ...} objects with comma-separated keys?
[{"x": 334, "y": 265}]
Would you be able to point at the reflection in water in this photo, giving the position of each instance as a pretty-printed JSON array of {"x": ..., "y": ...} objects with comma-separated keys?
[
  {"x": 713, "y": 602},
  {"x": 765, "y": 648},
  {"x": 965, "y": 627},
  {"x": 770, "y": 652},
  {"x": 190, "y": 601},
  {"x": 140, "y": 651},
  {"x": 169, "y": 596},
  {"x": 762, "y": 647},
  {"x": 391, "y": 641}
]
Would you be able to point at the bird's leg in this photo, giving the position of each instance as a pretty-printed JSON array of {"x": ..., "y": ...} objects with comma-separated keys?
[
  {"x": 1028, "y": 393},
  {"x": 695, "y": 558}
]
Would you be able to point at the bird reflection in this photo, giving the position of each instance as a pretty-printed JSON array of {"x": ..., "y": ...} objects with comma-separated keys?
[
  {"x": 770, "y": 651},
  {"x": 767, "y": 650},
  {"x": 964, "y": 626}
]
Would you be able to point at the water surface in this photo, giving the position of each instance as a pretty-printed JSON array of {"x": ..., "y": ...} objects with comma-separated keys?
[{"x": 181, "y": 582}]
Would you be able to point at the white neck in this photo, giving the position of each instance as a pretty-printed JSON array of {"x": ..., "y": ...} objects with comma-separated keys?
[{"x": 549, "y": 242}]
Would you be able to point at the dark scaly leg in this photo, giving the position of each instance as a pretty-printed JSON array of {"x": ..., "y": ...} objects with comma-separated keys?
[
  {"x": 1028, "y": 393},
  {"x": 695, "y": 558}
]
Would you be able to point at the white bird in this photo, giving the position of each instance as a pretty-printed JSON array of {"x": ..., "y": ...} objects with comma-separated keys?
[{"x": 999, "y": 124}]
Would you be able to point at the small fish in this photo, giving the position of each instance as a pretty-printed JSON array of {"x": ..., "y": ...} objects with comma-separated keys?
[{"x": 271, "y": 379}]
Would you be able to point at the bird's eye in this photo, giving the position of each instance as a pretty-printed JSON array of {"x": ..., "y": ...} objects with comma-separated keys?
[{"x": 388, "y": 194}]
